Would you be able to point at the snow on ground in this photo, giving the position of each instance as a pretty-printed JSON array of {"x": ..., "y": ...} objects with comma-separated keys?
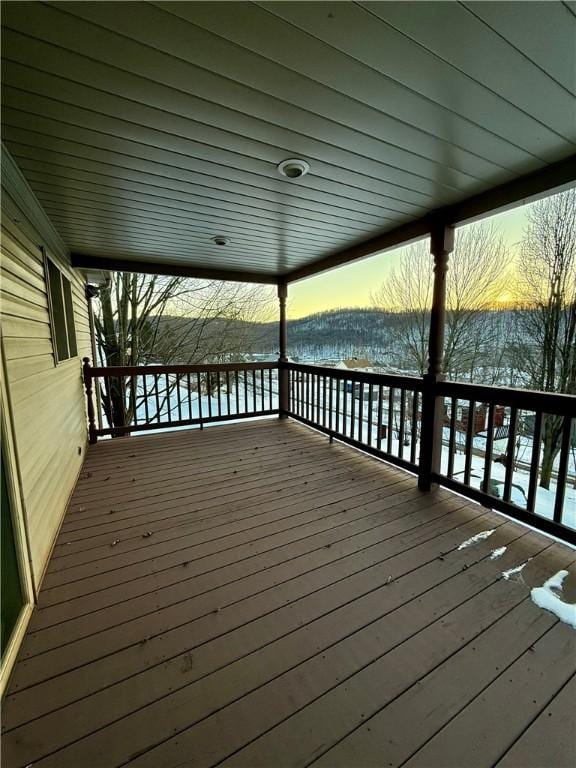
[{"x": 547, "y": 597}]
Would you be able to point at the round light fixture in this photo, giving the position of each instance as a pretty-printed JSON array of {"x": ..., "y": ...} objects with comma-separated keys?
[
  {"x": 293, "y": 168},
  {"x": 221, "y": 240}
]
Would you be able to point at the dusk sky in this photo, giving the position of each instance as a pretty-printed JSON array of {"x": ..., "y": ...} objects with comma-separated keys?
[{"x": 351, "y": 285}]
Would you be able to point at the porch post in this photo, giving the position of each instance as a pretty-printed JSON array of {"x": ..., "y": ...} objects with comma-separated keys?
[
  {"x": 282, "y": 359},
  {"x": 92, "y": 437},
  {"x": 441, "y": 245}
]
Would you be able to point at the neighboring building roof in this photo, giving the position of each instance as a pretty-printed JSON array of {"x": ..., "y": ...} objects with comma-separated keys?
[{"x": 354, "y": 363}]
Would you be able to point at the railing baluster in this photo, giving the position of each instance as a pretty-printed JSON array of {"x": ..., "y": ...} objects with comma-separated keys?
[
  {"x": 145, "y": 388},
  {"x": 468, "y": 448},
  {"x": 219, "y": 391},
  {"x": 370, "y": 394},
  {"x": 237, "y": 392},
  {"x": 353, "y": 409},
  {"x": 157, "y": 393},
  {"x": 254, "y": 408},
  {"x": 534, "y": 462},
  {"x": 134, "y": 399},
  {"x": 245, "y": 391},
  {"x": 323, "y": 401},
  {"x": 179, "y": 397},
  {"x": 209, "y": 393},
  {"x": 379, "y": 418},
  {"x": 227, "y": 393},
  {"x": 390, "y": 419},
  {"x": 489, "y": 449},
  {"x": 562, "y": 469},
  {"x": 189, "y": 395},
  {"x": 401, "y": 427},
  {"x": 452, "y": 435},
  {"x": 262, "y": 407},
  {"x": 338, "y": 382},
  {"x": 297, "y": 391},
  {"x": 510, "y": 448},
  {"x": 199, "y": 389},
  {"x": 98, "y": 399},
  {"x": 300, "y": 385},
  {"x": 344, "y": 405},
  {"x": 330, "y": 403},
  {"x": 361, "y": 412},
  {"x": 270, "y": 387},
  {"x": 414, "y": 428},
  {"x": 313, "y": 400},
  {"x": 168, "y": 403}
]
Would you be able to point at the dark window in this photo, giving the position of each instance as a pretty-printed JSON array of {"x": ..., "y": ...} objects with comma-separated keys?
[{"x": 61, "y": 313}]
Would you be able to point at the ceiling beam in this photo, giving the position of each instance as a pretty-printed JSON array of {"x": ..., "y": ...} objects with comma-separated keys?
[
  {"x": 552, "y": 178},
  {"x": 86, "y": 261}
]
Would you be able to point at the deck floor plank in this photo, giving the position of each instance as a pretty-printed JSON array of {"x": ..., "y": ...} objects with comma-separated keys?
[
  {"x": 549, "y": 740},
  {"x": 297, "y": 602}
]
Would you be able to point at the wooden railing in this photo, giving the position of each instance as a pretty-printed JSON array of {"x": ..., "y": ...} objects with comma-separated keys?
[
  {"x": 485, "y": 443},
  {"x": 141, "y": 398},
  {"x": 488, "y": 440},
  {"x": 377, "y": 413},
  {"x": 494, "y": 451}
]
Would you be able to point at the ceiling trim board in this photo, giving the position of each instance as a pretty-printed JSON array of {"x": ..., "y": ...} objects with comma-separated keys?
[{"x": 84, "y": 261}]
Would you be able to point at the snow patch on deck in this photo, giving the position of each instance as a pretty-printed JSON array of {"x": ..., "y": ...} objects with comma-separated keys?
[
  {"x": 513, "y": 573},
  {"x": 475, "y": 539},
  {"x": 496, "y": 553},
  {"x": 546, "y": 597}
]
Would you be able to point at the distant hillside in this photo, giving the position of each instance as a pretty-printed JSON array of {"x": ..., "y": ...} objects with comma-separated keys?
[
  {"x": 338, "y": 333},
  {"x": 324, "y": 336}
]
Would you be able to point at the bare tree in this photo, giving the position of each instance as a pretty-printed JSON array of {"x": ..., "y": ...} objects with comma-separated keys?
[
  {"x": 145, "y": 319},
  {"x": 476, "y": 275},
  {"x": 547, "y": 319}
]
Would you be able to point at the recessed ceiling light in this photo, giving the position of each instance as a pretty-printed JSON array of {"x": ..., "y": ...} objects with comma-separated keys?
[
  {"x": 293, "y": 168},
  {"x": 221, "y": 240}
]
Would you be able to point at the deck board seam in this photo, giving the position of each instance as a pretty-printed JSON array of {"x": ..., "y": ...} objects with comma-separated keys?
[
  {"x": 293, "y": 631},
  {"x": 227, "y": 549},
  {"x": 309, "y": 552},
  {"x": 204, "y": 489},
  {"x": 295, "y": 666},
  {"x": 477, "y": 695},
  {"x": 190, "y": 484},
  {"x": 441, "y": 533},
  {"x": 533, "y": 720},
  {"x": 192, "y": 534}
]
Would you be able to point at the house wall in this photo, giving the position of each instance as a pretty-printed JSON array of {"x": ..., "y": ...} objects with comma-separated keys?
[{"x": 46, "y": 401}]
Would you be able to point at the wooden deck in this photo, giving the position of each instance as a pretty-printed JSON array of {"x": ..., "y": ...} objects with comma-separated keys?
[{"x": 252, "y": 595}]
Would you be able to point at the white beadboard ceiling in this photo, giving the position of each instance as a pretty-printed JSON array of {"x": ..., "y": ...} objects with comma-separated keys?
[{"x": 145, "y": 129}]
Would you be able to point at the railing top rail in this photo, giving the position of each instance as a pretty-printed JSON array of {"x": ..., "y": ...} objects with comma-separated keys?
[
  {"x": 134, "y": 370},
  {"x": 526, "y": 399},
  {"x": 387, "y": 379}
]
